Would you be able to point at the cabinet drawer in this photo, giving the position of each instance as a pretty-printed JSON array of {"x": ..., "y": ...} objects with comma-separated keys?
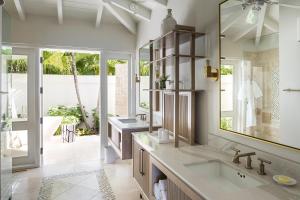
[{"x": 141, "y": 167}]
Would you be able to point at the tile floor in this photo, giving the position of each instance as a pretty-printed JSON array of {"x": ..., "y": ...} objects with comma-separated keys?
[
  {"x": 81, "y": 156},
  {"x": 27, "y": 184}
]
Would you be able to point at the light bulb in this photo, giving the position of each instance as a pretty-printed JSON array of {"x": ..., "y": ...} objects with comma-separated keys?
[{"x": 252, "y": 17}]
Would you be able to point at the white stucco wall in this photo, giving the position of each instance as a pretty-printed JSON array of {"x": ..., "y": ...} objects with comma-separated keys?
[{"x": 60, "y": 90}]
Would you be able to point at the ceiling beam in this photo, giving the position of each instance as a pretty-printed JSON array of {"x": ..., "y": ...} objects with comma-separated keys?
[
  {"x": 232, "y": 9},
  {"x": 260, "y": 23},
  {"x": 244, "y": 32},
  {"x": 161, "y": 2},
  {"x": 232, "y": 19},
  {"x": 20, "y": 9},
  {"x": 122, "y": 16},
  {"x": 290, "y": 3},
  {"x": 271, "y": 24},
  {"x": 133, "y": 8},
  {"x": 60, "y": 11},
  {"x": 99, "y": 14}
]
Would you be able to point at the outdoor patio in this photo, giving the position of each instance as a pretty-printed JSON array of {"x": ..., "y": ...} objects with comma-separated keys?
[{"x": 84, "y": 148}]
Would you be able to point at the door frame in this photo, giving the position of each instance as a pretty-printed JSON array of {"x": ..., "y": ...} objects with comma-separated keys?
[
  {"x": 105, "y": 56},
  {"x": 33, "y": 122}
]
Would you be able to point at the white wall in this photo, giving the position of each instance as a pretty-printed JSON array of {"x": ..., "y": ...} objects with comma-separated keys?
[
  {"x": 45, "y": 32},
  {"x": 204, "y": 15},
  {"x": 60, "y": 90}
]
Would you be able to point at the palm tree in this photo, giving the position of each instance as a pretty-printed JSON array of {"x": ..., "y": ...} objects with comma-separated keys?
[{"x": 74, "y": 72}]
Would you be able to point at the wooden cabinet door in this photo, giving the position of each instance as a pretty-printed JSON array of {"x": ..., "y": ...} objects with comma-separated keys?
[
  {"x": 186, "y": 130},
  {"x": 141, "y": 167}
]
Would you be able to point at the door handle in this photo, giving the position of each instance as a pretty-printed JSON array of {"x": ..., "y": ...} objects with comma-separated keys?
[
  {"x": 2, "y": 92},
  {"x": 141, "y": 162}
]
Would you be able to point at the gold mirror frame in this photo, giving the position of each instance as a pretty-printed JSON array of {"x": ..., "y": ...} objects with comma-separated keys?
[{"x": 220, "y": 114}]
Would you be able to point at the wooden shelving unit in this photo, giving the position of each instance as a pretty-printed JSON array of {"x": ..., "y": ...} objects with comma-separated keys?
[{"x": 167, "y": 51}]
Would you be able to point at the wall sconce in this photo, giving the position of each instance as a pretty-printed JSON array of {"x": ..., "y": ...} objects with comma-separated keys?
[
  {"x": 298, "y": 29},
  {"x": 210, "y": 73}
]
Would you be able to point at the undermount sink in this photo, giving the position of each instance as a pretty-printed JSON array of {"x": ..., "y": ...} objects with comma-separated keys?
[
  {"x": 128, "y": 121},
  {"x": 222, "y": 176}
]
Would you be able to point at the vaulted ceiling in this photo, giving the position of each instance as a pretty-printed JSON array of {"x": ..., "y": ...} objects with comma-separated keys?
[
  {"x": 239, "y": 20},
  {"x": 125, "y": 12}
]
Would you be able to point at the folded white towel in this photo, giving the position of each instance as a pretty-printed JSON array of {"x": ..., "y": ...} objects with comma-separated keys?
[
  {"x": 163, "y": 185},
  {"x": 157, "y": 192},
  {"x": 163, "y": 195}
]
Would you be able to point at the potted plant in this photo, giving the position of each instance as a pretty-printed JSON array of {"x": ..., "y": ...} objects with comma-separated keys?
[{"x": 162, "y": 81}]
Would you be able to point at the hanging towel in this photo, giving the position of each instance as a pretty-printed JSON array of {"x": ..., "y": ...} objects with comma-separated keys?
[
  {"x": 157, "y": 192},
  {"x": 163, "y": 185},
  {"x": 163, "y": 195}
]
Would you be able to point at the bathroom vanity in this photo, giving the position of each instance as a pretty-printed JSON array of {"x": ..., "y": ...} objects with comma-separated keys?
[
  {"x": 201, "y": 172},
  {"x": 119, "y": 134}
]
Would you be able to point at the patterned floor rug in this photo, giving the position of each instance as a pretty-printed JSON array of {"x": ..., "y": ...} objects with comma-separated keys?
[{"x": 77, "y": 186}]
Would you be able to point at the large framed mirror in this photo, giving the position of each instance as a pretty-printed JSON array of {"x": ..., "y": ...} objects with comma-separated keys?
[{"x": 260, "y": 69}]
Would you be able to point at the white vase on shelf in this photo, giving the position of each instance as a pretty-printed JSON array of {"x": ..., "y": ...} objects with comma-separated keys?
[{"x": 169, "y": 23}]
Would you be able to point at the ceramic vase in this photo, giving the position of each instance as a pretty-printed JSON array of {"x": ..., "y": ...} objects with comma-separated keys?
[{"x": 169, "y": 23}]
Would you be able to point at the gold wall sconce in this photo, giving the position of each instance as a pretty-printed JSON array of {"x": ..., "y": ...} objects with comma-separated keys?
[{"x": 211, "y": 73}]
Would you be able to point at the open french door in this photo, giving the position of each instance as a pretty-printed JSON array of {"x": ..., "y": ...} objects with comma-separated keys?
[
  {"x": 121, "y": 102},
  {"x": 24, "y": 140}
]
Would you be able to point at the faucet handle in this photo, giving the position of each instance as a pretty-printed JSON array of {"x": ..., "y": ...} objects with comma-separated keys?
[
  {"x": 264, "y": 160},
  {"x": 262, "y": 166},
  {"x": 237, "y": 151}
]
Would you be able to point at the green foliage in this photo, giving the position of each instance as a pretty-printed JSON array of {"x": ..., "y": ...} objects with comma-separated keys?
[
  {"x": 70, "y": 120},
  {"x": 144, "y": 68},
  {"x": 226, "y": 70},
  {"x": 71, "y": 115},
  {"x": 111, "y": 65},
  {"x": 95, "y": 119},
  {"x": 85, "y": 132},
  {"x": 87, "y": 64},
  {"x": 226, "y": 123},
  {"x": 6, "y": 51},
  {"x": 65, "y": 111},
  {"x": 66, "y": 120},
  {"x": 17, "y": 66},
  {"x": 56, "y": 62},
  {"x": 144, "y": 105}
]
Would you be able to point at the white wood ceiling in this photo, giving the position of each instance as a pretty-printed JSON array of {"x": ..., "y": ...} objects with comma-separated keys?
[
  {"x": 234, "y": 19},
  {"x": 125, "y": 12}
]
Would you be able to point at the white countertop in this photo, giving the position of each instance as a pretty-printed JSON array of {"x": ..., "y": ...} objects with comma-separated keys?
[
  {"x": 175, "y": 160},
  {"x": 129, "y": 126}
]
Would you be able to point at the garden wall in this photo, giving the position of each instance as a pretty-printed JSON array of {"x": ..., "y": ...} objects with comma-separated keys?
[{"x": 60, "y": 90}]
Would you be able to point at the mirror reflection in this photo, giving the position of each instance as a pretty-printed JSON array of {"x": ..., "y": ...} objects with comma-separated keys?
[
  {"x": 259, "y": 59},
  {"x": 144, "y": 75}
]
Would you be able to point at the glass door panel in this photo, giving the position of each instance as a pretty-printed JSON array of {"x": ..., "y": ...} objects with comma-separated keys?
[
  {"x": 5, "y": 125},
  {"x": 22, "y": 141},
  {"x": 19, "y": 83}
]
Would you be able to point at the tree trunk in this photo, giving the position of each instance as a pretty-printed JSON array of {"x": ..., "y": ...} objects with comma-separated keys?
[{"x": 74, "y": 72}]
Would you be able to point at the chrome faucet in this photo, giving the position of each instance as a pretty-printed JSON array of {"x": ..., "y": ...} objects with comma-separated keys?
[
  {"x": 143, "y": 117},
  {"x": 237, "y": 156}
]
